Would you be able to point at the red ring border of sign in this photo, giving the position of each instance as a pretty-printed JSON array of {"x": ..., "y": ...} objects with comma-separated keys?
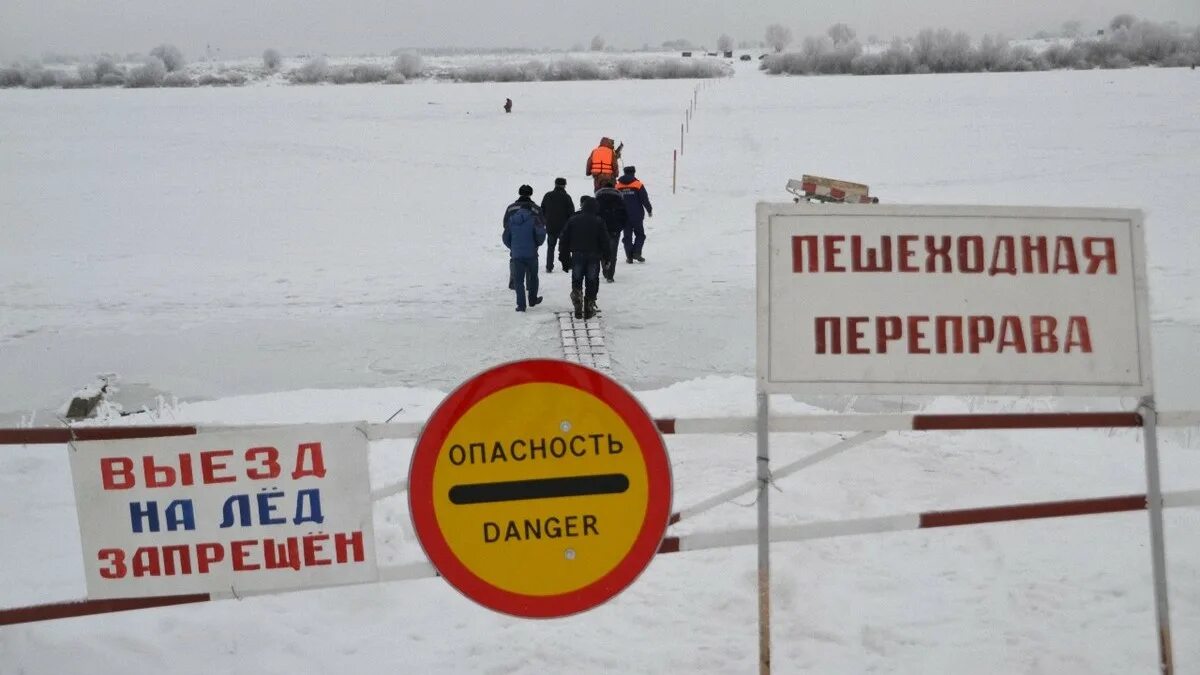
[{"x": 533, "y": 371}]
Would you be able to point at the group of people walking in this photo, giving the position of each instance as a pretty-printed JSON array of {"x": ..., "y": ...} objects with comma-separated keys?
[{"x": 587, "y": 240}]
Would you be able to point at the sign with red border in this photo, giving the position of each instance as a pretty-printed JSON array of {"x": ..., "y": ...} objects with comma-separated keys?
[{"x": 540, "y": 488}]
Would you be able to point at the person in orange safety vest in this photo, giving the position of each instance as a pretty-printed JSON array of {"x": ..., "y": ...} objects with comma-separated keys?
[{"x": 602, "y": 162}]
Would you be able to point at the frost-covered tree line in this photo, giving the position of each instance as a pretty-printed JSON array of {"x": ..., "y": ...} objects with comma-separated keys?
[
  {"x": 165, "y": 66},
  {"x": 1127, "y": 42}
]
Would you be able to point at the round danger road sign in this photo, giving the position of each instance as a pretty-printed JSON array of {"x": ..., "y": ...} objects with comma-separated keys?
[{"x": 540, "y": 488}]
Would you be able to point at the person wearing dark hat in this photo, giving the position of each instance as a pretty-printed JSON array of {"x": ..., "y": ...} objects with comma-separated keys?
[
  {"x": 637, "y": 206},
  {"x": 586, "y": 244},
  {"x": 611, "y": 207},
  {"x": 557, "y": 206},
  {"x": 524, "y": 232}
]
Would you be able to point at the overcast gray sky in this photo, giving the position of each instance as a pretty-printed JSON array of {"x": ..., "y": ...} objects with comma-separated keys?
[{"x": 348, "y": 27}]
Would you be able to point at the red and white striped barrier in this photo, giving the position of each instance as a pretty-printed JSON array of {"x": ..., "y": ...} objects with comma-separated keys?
[
  {"x": 869, "y": 426},
  {"x": 673, "y": 425},
  {"x": 694, "y": 542},
  {"x": 927, "y": 520}
]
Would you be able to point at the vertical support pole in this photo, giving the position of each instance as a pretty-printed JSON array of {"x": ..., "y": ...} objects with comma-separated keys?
[
  {"x": 674, "y": 168},
  {"x": 1158, "y": 552},
  {"x": 763, "y": 462},
  {"x": 681, "y": 139}
]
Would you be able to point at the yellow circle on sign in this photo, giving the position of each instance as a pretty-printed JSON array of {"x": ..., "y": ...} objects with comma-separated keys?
[{"x": 538, "y": 545}]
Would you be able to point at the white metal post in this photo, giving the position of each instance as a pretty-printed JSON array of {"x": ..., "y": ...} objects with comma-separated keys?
[
  {"x": 763, "y": 462},
  {"x": 1158, "y": 552}
]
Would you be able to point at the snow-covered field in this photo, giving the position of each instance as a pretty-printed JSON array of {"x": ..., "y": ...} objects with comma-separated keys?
[{"x": 233, "y": 244}]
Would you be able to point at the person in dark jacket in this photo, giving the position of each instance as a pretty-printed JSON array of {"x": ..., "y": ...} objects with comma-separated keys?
[
  {"x": 524, "y": 232},
  {"x": 637, "y": 205},
  {"x": 611, "y": 207},
  {"x": 557, "y": 207},
  {"x": 584, "y": 242}
]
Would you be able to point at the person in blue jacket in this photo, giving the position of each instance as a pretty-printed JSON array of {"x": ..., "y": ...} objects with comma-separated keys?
[
  {"x": 524, "y": 232},
  {"x": 637, "y": 205}
]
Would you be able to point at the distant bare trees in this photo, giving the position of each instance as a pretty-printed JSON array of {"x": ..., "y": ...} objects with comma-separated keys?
[
  {"x": 840, "y": 33},
  {"x": 272, "y": 59},
  {"x": 725, "y": 43},
  {"x": 778, "y": 37},
  {"x": 1122, "y": 21},
  {"x": 597, "y": 43},
  {"x": 170, "y": 55},
  {"x": 1132, "y": 42}
]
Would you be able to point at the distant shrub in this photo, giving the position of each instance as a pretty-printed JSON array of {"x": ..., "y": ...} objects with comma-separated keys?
[
  {"x": 820, "y": 55},
  {"x": 106, "y": 66},
  {"x": 569, "y": 69},
  {"x": 1145, "y": 42},
  {"x": 170, "y": 56},
  {"x": 149, "y": 74},
  {"x": 87, "y": 74},
  {"x": 1117, "y": 61},
  {"x": 530, "y": 71},
  {"x": 409, "y": 65},
  {"x": 369, "y": 72},
  {"x": 37, "y": 77},
  {"x": 395, "y": 78},
  {"x": 313, "y": 71},
  {"x": 318, "y": 70},
  {"x": 272, "y": 59},
  {"x": 69, "y": 80},
  {"x": 224, "y": 78},
  {"x": 179, "y": 78},
  {"x": 945, "y": 52},
  {"x": 11, "y": 76}
]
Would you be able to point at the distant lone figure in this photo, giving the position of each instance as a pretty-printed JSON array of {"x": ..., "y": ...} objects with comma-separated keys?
[{"x": 508, "y": 105}]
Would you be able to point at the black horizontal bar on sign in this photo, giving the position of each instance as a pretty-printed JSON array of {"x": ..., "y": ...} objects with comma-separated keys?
[
  {"x": 1105, "y": 420},
  {"x": 1000, "y": 514},
  {"x": 66, "y": 610},
  {"x": 58, "y": 435},
  {"x": 539, "y": 488}
]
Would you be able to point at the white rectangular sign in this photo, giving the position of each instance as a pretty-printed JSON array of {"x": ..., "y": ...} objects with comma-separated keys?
[
  {"x": 267, "y": 509},
  {"x": 952, "y": 299}
]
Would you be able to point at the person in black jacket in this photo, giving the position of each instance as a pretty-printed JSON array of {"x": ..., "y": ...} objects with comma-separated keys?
[
  {"x": 585, "y": 242},
  {"x": 557, "y": 207},
  {"x": 610, "y": 206}
]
